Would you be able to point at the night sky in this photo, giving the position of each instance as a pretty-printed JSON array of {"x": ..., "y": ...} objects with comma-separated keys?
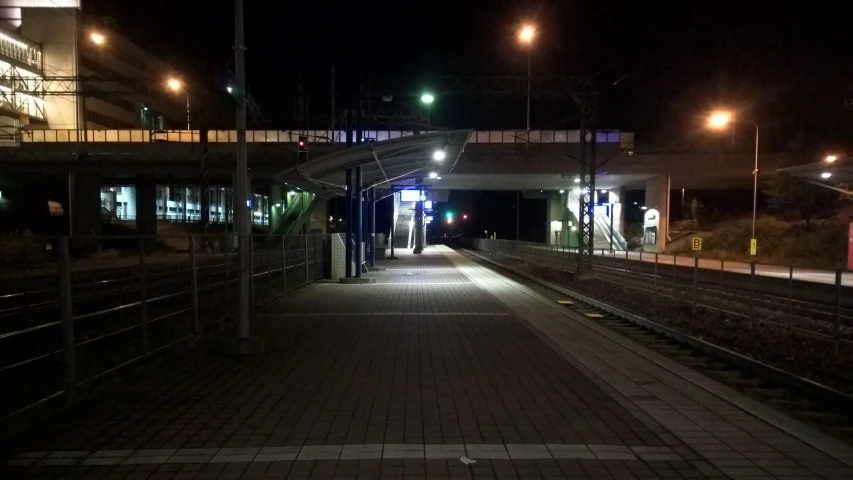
[{"x": 659, "y": 65}]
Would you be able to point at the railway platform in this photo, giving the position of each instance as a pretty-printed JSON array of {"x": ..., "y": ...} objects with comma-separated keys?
[{"x": 443, "y": 368}]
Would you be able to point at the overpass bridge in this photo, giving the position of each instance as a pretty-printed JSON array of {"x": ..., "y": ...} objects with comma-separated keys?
[{"x": 509, "y": 159}]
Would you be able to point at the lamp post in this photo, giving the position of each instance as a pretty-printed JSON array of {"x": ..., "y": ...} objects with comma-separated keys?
[
  {"x": 176, "y": 86},
  {"x": 717, "y": 121},
  {"x": 98, "y": 39},
  {"x": 525, "y": 36},
  {"x": 427, "y": 99}
]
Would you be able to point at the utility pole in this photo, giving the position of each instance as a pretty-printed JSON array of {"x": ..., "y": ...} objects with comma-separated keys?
[{"x": 241, "y": 212}]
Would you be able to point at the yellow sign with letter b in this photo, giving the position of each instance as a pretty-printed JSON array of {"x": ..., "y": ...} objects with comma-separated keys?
[{"x": 697, "y": 243}]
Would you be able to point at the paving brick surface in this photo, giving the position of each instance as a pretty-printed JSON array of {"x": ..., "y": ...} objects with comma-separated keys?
[{"x": 439, "y": 361}]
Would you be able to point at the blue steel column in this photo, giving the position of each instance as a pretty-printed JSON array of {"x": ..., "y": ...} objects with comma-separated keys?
[
  {"x": 365, "y": 220},
  {"x": 348, "y": 208},
  {"x": 372, "y": 221},
  {"x": 359, "y": 227}
]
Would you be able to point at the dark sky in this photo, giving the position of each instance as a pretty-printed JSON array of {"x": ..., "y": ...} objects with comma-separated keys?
[{"x": 787, "y": 64}]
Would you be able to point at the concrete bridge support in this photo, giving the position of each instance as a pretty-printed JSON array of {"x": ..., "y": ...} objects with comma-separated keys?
[
  {"x": 657, "y": 214},
  {"x": 86, "y": 204},
  {"x": 146, "y": 205}
]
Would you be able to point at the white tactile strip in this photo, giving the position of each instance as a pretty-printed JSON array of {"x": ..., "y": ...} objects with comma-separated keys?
[{"x": 346, "y": 452}]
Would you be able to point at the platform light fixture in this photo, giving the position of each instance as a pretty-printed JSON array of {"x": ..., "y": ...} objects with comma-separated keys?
[
  {"x": 562, "y": 191},
  {"x": 831, "y": 158},
  {"x": 577, "y": 179},
  {"x": 825, "y": 175},
  {"x": 427, "y": 98},
  {"x": 433, "y": 175},
  {"x": 439, "y": 155},
  {"x": 97, "y": 38}
]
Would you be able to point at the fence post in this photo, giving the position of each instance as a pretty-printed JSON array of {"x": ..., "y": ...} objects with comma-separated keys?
[
  {"x": 836, "y": 330},
  {"x": 306, "y": 259},
  {"x": 722, "y": 270},
  {"x": 315, "y": 254},
  {"x": 284, "y": 262},
  {"x": 626, "y": 263},
  {"x": 695, "y": 283},
  {"x": 655, "y": 288},
  {"x": 67, "y": 317},
  {"x": 790, "y": 294},
  {"x": 227, "y": 282},
  {"x": 194, "y": 286},
  {"x": 674, "y": 269},
  {"x": 143, "y": 294},
  {"x": 251, "y": 245},
  {"x": 752, "y": 291}
]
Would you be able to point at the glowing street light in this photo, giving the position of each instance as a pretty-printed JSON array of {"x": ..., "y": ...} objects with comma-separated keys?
[
  {"x": 825, "y": 175},
  {"x": 717, "y": 121},
  {"x": 526, "y": 34},
  {"x": 433, "y": 175},
  {"x": 439, "y": 155},
  {"x": 427, "y": 98},
  {"x": 831, "y": 158},
  {"x": 97, "y": 38}
]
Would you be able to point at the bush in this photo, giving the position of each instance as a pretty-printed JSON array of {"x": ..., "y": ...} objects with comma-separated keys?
[{"x": 820, "y": 244}]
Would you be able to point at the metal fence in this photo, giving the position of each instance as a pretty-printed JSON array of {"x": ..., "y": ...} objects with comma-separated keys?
[
  {"x": 76, "y": 309},
  {"x": 816, "y": 303}
]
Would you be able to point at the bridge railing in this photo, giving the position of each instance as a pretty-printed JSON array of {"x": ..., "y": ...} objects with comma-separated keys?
[{"x": 625, "y": 139}]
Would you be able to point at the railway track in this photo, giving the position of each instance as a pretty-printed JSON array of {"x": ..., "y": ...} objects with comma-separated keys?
[{"x": 825, "y": 408}]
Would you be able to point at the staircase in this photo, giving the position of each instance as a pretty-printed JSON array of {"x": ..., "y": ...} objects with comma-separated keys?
[
  {"x": 295, "y": 216},
  {"x": 404, "y": 215}
]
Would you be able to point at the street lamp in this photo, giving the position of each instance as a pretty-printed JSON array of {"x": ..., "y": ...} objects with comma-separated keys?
[
  {"x": 439, "y": 155},
  {"x": 176, "y": 87},
  {"x": 525, "y": 36},
  {"x": 831, "y": 158},
  {"x": 97, "y": 38},
  {"x": 717, "y": 121}
]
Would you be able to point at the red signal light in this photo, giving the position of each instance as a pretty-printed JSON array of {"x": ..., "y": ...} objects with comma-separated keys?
[{"x": 464, "y": 216}]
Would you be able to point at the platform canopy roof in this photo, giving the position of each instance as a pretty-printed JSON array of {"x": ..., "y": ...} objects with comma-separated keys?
[{"x": 391, "y": 162}]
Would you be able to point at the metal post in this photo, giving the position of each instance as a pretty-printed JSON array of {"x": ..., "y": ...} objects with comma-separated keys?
[
  {"x": 790, "y": 295},
  {"x": 194, "y": 286},
  {"x": 348, "y": 208},
  {"x": 674, "y": 269},
  {"x": 695, "y": 283},
  {"x": 315, "y": 258},
  {"x": 306, "y": 260},
  {"x": 227, "y": 282},
  {"x": 67, "y": 317},
  {"x": 284, "y": 262},
  {"x": 143, "y": 297},
  {"x": 372, "y": 226},
  {"x": 626, "y": 263},
  {"x": 365, "y": 219},
  {"x": 755, "y": 185},
  {"x": 836, "y": 331},
  {"x": 251, "y": 247},
  {"x": 393, "y": 223},
  {"x": 752, "y": 290},
  {"x": 655, "y": 287},
  {"x": 722, "y": 270},
  {"x": 242, "y": 183},
  {"x": 517, "y": 213},
  {"x": 359, "y": 229},
  {"x": 529, "y": 48}
]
